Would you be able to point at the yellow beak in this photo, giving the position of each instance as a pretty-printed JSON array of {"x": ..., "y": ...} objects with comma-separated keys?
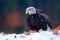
[{"x": 26, "y": 12}]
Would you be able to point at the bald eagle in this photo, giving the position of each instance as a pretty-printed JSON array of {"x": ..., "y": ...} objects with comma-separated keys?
[{"x": 36, "y": 19}]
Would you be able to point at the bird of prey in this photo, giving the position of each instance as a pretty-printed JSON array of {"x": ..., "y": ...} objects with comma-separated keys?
[{"x": 37, "y": 19}]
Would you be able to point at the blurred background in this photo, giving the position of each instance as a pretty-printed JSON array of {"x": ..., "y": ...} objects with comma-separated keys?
[{"x": 13, "y": 18}]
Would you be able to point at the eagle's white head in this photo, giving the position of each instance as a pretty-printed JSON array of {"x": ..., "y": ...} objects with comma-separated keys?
[{"x": 30, "y": 10}]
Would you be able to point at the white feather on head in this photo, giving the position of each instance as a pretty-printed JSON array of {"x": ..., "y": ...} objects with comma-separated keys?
[{"x": 30, "y": 10}]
